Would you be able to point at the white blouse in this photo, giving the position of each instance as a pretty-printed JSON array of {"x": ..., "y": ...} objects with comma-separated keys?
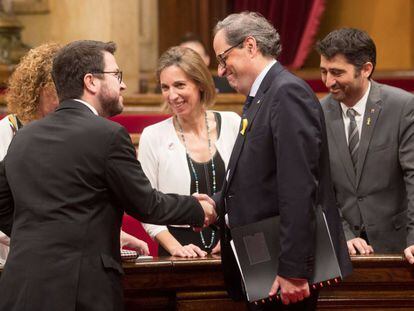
[{"x": 164, "y": 161}]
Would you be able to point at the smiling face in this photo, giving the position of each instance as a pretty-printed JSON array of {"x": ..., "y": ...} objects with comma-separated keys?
[
  {"x": 180, "y": 92},
  {"x": 237, "y": 69},
  {"x": 345, "y": 82}
]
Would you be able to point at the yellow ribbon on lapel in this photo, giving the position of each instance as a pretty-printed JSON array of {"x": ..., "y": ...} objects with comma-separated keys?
[{"x": 245, "y": 122}]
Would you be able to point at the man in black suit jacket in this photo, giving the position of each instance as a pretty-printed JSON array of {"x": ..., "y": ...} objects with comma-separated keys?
[
  {"x": 71, "y": 176},
  {"x": 280, "y": 162}
]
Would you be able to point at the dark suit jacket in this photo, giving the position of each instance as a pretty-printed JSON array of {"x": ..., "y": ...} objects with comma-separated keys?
[
  {"x": 378, "y": 195},
  {"x": 72, "y": 176},
  {"x": 280, "y": 167}
]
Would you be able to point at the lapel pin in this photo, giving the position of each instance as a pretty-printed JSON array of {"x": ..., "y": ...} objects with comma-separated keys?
[
  {"x": 369, "y": 121},
  {"x": 258, "y": 101},
  {"x": 244, "y": 126},
  {"x": 372, "y": 110}
]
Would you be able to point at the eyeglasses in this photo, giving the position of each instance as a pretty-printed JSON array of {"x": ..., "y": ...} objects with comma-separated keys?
[
  {"x": 222, "y": 57},
  {"x": 117, "y": 74}
]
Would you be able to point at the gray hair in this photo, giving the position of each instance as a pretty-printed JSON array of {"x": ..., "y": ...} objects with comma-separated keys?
[{"x": 239, "y": 26}]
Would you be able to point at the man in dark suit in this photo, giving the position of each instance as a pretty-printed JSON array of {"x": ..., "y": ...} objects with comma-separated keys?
[
  {"x": 71, "y": 176},
  {"x": 279, "y": 165},
  {"x": 371, "y": 144}
]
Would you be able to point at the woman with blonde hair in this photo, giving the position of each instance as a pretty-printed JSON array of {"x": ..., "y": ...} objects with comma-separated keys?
[{"x": 189, "y": 152}]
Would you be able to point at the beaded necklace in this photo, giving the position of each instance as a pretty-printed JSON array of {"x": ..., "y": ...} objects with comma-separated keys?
[{"x": 213, "y": 171}]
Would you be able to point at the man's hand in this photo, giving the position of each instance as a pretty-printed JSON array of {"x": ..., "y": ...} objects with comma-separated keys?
[
  {"x": 189, "y": 250},
  {"x": 291, "y": 290},
  {"x": 409, "y": 254},
  {"x": 209, "y": 208},
  {"x": 360, "y": 246}
]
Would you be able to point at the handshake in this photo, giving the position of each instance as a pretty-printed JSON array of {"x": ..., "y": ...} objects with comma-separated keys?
[{"x": 209, "y": 207}]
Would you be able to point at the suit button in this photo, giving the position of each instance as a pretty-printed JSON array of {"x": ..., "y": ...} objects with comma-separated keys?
[{"x": 360, "y": 199}]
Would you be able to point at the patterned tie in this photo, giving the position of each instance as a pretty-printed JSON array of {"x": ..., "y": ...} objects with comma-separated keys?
[
  {"x": 353, "y": 136},
  {"x": 247, "y": 104}
]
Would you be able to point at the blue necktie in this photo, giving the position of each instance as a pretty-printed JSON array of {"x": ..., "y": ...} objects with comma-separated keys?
[{"x": 247, "y": 104}]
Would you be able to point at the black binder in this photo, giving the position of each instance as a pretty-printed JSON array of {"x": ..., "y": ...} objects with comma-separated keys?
[{"x": 257, "y": 247}]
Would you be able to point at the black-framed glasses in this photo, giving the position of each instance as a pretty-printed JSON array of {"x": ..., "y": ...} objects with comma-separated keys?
[
  {"x": 221, "y": 58},
  {"x": 117, "y": 74}
]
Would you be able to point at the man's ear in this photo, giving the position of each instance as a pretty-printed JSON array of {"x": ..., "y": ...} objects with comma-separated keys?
[
  {"x": 367, "y": 69},
  {"x": 251, "y": 45},
  {"x": 91, "y": 83}
]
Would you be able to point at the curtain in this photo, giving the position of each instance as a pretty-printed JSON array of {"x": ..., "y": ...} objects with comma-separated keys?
[{"x": 296, "y": 21}]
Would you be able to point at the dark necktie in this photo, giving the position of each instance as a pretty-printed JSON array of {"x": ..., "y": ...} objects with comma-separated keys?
[
  {"x": 247, "y": 104},
  {"x": 353, "y": 136}
]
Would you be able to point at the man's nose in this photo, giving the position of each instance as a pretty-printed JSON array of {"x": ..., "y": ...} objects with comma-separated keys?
[
  {"x": 330, "y": 81},
  {"x": 221, "y": 70}
]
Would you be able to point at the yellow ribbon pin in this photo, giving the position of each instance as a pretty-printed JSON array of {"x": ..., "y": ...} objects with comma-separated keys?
[{"x": 245, "y": 122}]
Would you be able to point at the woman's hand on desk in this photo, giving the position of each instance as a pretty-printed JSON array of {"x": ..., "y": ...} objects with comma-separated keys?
[
  {"x": 216, "y": 249},
  {"x": 189, "y": 250},
  {"x": 138, "y": 245}
]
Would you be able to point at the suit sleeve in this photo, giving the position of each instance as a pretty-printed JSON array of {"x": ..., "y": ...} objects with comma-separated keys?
[
  {"x": 296, "y": 128},
  {"x": 406, "y": 157},
  {"x": 6, "y": 202},
  {"x": 134, "y": 193},
  {"x": 149, "y": 160}
]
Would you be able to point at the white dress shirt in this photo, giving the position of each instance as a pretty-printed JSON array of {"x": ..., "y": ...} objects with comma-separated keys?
[{"x": 359, "y": 107}]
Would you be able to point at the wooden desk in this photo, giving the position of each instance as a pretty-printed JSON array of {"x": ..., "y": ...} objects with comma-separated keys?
[{"x": 379, "y": 282}]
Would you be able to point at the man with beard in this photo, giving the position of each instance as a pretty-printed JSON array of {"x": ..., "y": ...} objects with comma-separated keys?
[
  {"x": 64, "y": 185},
  {"x": 370, "y": 130}
]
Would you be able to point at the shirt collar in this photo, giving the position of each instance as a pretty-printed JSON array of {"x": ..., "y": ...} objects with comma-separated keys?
[
  {"x": 88, "y": 105},
  {"x": 359, "y": 107},
  {"x": 260, "y": 77}
]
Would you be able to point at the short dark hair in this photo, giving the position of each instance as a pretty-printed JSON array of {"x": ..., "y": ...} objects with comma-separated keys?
[
  {"x": 74, "y": 61},
  {"x": 355, "y": 45}
]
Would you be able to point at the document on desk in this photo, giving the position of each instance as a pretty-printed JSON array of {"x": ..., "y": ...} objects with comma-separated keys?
[{"x": 257, "y": 247}]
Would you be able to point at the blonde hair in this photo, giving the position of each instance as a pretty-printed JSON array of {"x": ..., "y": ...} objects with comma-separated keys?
[
  {"x": 194, "y": 67},
  {"x": 31, "y": 75}
]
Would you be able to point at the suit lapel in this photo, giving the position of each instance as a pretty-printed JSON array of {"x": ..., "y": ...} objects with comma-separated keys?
[
  {"x": 372, "y": 111},
  {"x": 250, "y": 116},
  {"x": 241, "y": 138},
  {"x": 337, "y": 128}
]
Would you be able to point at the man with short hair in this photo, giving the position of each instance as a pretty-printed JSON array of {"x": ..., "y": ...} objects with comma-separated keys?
[
  {"x": 279, "y": 164},
  {"x": 71, "y": 176},
  {"x": 371, "y": 146}
]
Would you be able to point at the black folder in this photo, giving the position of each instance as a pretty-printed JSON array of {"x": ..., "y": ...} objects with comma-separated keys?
[{"x": 257, "y": 248}]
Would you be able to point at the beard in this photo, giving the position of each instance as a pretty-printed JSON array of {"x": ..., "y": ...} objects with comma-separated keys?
[{"x": 111, "y": 103}]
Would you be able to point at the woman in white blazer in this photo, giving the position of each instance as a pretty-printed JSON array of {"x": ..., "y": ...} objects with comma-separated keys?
[{"x": 188, "y": 152}]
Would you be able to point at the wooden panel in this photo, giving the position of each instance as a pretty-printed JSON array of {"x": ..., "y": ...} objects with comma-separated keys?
[
  {"x": 389, "y": 23},
  {"x": 176, "y": 17},
  {"x": 379, "y": 282}
]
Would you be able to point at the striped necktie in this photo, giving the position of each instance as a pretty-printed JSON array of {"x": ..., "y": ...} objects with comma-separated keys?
[{"x": 353, "y": 136}]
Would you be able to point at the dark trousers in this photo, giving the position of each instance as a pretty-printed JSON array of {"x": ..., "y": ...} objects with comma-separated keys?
[{"x": 308, "y": 304}]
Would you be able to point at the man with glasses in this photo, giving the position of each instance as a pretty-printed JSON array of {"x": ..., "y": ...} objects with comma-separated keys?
[
  {"x": 279, "y": 164},
  {"x": 64, "y": 186},
  {"x": 371, "y": 143}
]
